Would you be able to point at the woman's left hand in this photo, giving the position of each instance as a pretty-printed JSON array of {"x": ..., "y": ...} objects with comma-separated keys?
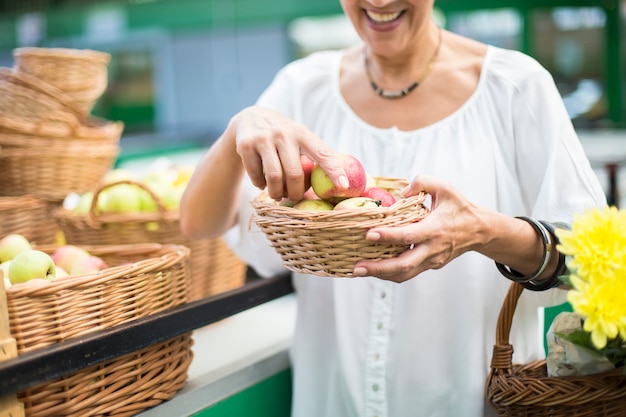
[{"x": 450, "y": 229}]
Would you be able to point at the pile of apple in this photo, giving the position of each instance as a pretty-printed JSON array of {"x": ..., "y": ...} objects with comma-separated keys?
[
  {"x": 323, "y": 195},
  {"x": 165, "y": 179},
  {"x": 21, "y": 263}
]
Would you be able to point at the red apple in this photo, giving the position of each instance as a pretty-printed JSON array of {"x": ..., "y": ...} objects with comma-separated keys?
[
  {"x": 357, "y": 179},
  {"x": 385, "y": 197},
  {"x": 66, "y": 256},
  {"x": 88, "y": 265},
  {"x": 315, "y": 204},
  {"x": 357, "y": 203},
  {"x": 307, "y": 167}
]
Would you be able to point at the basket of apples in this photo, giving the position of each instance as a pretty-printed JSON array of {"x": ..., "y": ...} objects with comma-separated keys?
[
  {"x": 126, "y": 207},
  {"x": 58, "y": 292},
  {"x": 324, "y": 233}
]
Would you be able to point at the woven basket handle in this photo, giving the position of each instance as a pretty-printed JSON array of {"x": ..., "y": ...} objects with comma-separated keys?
[
  {"x": 93, "y": 216},
  {"x": 502, "y": 357}
]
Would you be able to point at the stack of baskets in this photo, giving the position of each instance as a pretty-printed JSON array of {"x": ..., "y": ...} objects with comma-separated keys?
[
  {"x": 214, "y": 267},
  {"x": 140, "y": 280},
  {"x": 51, "y": 145}
]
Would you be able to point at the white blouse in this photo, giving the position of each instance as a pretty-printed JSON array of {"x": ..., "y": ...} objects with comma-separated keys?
[{"x": 371, "y": 348}]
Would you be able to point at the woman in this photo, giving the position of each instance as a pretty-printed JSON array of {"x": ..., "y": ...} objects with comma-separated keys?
[{"x": 481, "y": 129}]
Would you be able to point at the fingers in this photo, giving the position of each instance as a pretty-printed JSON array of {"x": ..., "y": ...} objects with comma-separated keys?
[{"x": 270, "y": 146}]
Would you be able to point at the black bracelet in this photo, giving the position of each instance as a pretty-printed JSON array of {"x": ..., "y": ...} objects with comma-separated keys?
[
  {"x": 546, "y": 239},
  {"x": 561, "y": 269}
]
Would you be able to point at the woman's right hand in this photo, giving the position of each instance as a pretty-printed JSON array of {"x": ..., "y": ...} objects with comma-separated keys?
[{"x": 270, "y": 145}]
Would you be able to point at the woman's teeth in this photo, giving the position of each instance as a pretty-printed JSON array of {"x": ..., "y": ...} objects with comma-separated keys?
[{"x": 382, "y": 17}]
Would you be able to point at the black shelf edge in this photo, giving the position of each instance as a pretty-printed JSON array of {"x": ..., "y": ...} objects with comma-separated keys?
[{"x": 65, "y": 358}]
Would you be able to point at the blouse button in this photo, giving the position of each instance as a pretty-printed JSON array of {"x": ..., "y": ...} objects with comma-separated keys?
[{"x": 375, "y": 387}]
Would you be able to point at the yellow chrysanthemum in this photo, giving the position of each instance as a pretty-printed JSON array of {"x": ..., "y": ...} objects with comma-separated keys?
[
  {"x": 596, "y": 243},
  {"x": 596, "y": 246}
]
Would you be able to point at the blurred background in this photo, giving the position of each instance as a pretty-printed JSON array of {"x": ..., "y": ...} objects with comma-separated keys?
[{"x": 181, "y": 68}]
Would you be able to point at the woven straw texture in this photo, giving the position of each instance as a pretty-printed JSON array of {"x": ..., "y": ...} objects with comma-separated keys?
[
  {"x": 214, "y": 267},
  {"x": 81, "y": 73},
  {"x": 51, "y": 168},
  {"x": 26, "y": 100},
  {"x": 527, "y": 391},
  {"x": 28, "y": 216},
  {"x": 330, "y": 243},
  {"x": 140, "y": 280}
]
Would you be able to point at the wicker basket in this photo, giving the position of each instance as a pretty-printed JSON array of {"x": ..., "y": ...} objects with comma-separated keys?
[
  {"x": 330, "y": 243},
  {"x": 51, "y": 168},
  {"x": 80, "y": 73},
  {"x": 28, "y": 216},
  {"x": 214, "y": 267},
  {"x": 26, "y": 100},
  {"x": 141, "y": 280},
  {"x": 527, "y": 391}
]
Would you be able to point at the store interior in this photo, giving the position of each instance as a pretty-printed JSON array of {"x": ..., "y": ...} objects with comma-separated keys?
[{"x": 180, "y": 69}]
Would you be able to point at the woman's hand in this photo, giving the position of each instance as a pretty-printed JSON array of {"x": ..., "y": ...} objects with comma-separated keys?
[
  {"x": 270, "y": 146},
  {"x": 450, "y": 229}
]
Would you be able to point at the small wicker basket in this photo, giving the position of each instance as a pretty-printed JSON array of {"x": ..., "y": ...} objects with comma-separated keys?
[
  {"x": 81, "y": 73},
  {"x": 141, "y": 280},
  {"x": 51, "y": 168},
  {"x": 214, "y": 267},
  {"x": 25, "y": 100},
  {"x": 330, "y": 243},
  {"x": 28, "y": 216},
  {"x": 527, "y": 391}
]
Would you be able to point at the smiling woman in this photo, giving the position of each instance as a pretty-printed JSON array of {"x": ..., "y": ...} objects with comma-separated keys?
[{"x": 480, "y": 131}]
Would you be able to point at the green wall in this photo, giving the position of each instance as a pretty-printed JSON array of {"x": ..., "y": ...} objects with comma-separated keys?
[{"x": 269, "y": 398}]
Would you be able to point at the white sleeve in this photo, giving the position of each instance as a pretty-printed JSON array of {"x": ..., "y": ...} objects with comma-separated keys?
[{"x": 556, "y": 177}]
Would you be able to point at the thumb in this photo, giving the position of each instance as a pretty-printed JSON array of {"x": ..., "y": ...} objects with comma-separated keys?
[{"x": 333, "y": 165}]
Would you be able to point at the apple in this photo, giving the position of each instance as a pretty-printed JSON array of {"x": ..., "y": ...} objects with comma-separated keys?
[
  {"x": 118, "y": 174},
  {"x": 371, "y": 181},
  {"x": 67, "y": 255},
  {"x": 4, "y": 267},
  {"x": 325, "y": 189},
  {"x": 120, "y": 198},
  {"x": 88, "y": 265},
  {"x": 316, "y": 204},
  {"x": 357, "y": 203},
  {"x": 31, "y": 264},
  {"x": 60, "y": 272},
  {"x": 377, "y": 193},
  {"x": 11, "y": 245},
  {"x": 285, "y": 202},
  {"x": 307, "y": 168},
  {"x": 309, "y": 194}
]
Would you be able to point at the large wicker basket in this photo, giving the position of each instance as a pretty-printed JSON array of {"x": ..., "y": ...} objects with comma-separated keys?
[
  {"x": 80, "y": 73},
  {"x": 141, "y": 280},
  {"x": 527, "y": 391},
  {"x": 214, "y": 267},
  {"x": 28, "y": 216},
  {"x": 51, "y": 167},
  {"x": 330, "y": 243}
]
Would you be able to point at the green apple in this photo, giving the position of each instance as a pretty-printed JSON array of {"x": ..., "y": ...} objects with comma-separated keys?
[
  {"x": 11, "y": 245},
  {"x": 324, "y": 187},
  {"x": 31, "y": 264},
  {"x": 120, "y": 198},
  {"x": 316, "y": 204}
]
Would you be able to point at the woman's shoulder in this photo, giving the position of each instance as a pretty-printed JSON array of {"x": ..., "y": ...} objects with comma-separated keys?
[
  {"x": 514, "y": 66},
  {"x": 319, "y": 63}
]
